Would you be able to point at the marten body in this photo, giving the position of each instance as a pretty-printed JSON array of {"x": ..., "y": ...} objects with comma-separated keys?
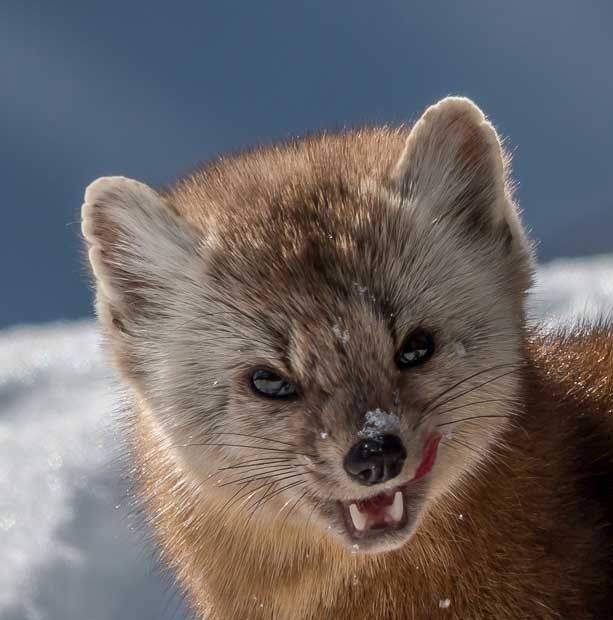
[{"x": 338, "y": 410}]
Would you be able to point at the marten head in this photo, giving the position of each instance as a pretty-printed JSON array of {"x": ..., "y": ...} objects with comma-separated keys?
[{"x": 325, "y": 331}]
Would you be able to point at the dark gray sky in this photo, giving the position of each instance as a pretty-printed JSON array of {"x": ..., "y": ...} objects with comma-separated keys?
[{"x": 149, "y": 89}]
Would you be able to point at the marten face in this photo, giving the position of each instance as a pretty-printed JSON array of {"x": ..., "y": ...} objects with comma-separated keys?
[{"x": 328, "y": 332}]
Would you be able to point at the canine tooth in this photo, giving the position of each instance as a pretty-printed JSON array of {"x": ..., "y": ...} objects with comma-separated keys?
[
  {"x": 359, "y": 520},
  {"x": 396, "y": 509}
]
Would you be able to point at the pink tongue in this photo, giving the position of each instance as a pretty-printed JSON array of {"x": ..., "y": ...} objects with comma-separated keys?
[{"x": 427, "y": 462}]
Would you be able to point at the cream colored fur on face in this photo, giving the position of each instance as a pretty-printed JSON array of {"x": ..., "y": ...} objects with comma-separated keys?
[{"x": 149, "y": 259}]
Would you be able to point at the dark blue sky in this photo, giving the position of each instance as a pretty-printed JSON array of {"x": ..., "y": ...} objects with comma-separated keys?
[{"x": 149, "y": 89}]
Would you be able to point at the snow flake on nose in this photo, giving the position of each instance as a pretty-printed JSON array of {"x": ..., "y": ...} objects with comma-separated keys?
[{"x": 377, "y": 422}]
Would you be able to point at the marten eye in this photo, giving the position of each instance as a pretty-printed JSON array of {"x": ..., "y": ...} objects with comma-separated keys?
[
  {"x": 416, "y": 349},
  {"x": 270, "y": 384}
]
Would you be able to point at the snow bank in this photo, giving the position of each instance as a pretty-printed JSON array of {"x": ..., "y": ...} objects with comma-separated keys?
[
  {"x": 568, "y": 288},
  {"x": 68, "y": 547}
]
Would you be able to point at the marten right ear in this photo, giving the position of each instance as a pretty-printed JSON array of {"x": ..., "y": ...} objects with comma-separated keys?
[
  {"x": 454, "y": 166},
  {"x": 137, "y": 246}
]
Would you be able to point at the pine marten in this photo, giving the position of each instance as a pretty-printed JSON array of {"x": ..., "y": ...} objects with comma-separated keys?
[{"x": 338, "y": 409}]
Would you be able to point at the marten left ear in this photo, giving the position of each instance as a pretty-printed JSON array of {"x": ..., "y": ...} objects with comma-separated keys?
[
  {"x": 454, "y": 165},
  {"x": 139, "y": 250}
]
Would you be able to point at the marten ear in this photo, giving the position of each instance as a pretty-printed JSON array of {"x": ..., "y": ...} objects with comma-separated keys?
[
  {"x": 137, "y": 246},
  {"x": 454, "y": 165}
]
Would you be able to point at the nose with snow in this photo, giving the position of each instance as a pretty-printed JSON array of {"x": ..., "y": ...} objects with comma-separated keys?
[{"x": 376, "y": 459}]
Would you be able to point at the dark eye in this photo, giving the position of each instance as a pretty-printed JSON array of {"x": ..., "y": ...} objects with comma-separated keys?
[
  {"x": 416, "y": 349},
  {"x": 270, "y": 384}
]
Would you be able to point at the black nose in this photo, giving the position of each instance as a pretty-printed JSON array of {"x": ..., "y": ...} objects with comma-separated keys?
[{"x": 376, "y": 459}]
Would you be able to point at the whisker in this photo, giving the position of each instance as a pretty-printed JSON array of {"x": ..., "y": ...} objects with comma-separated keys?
[
  {"x": 472, "y": 389},
  {"x": 459, "y": 383},
  {"x": 247, "y": 496},
  {"x": 291, "y": 485},
  {"x": 253, "y": 510},
  {"x": 287, "y": 514},
  {"x": 477, "y": 402},
  {"x": 283, "y": 443},
  {"x": 315, "y": 506},
  {"x": 490, "y": 451},
  {"x": 474, "y": 417},
  {"x": 469, "y": 446},
  {"x": 285, "y": 488},
  {"x": 260, "y": 476},
  {"x": 228, "y": 503},
  {"x": 257, "y": 463},
  {"x": 426, "y": 414},
  {"x": 233, "y": 445}
]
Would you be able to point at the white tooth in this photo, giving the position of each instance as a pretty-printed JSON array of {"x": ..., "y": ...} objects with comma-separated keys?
[
  {"x": 396, "y": 509},
  {"x": 359, "y": 520}
]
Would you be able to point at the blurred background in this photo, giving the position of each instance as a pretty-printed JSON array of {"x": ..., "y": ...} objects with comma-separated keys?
[{"x": 150, "y": 89}]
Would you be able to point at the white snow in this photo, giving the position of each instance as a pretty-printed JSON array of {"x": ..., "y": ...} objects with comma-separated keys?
[
  {"x": 341, "y": 334},
  {"x": 567, "y": 288},
  {"x": 69, "y": 549},
  {"x": 459, "y": 350},
  {"x": 378, "y": 421},
  {"x": 68, "y": 546}
]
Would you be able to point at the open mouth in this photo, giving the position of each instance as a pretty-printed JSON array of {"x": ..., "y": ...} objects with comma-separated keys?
[{"x": 392, "y": 509}]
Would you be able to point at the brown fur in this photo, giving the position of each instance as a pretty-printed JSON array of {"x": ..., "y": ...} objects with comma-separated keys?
[{"x": 316, "y": 258}]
